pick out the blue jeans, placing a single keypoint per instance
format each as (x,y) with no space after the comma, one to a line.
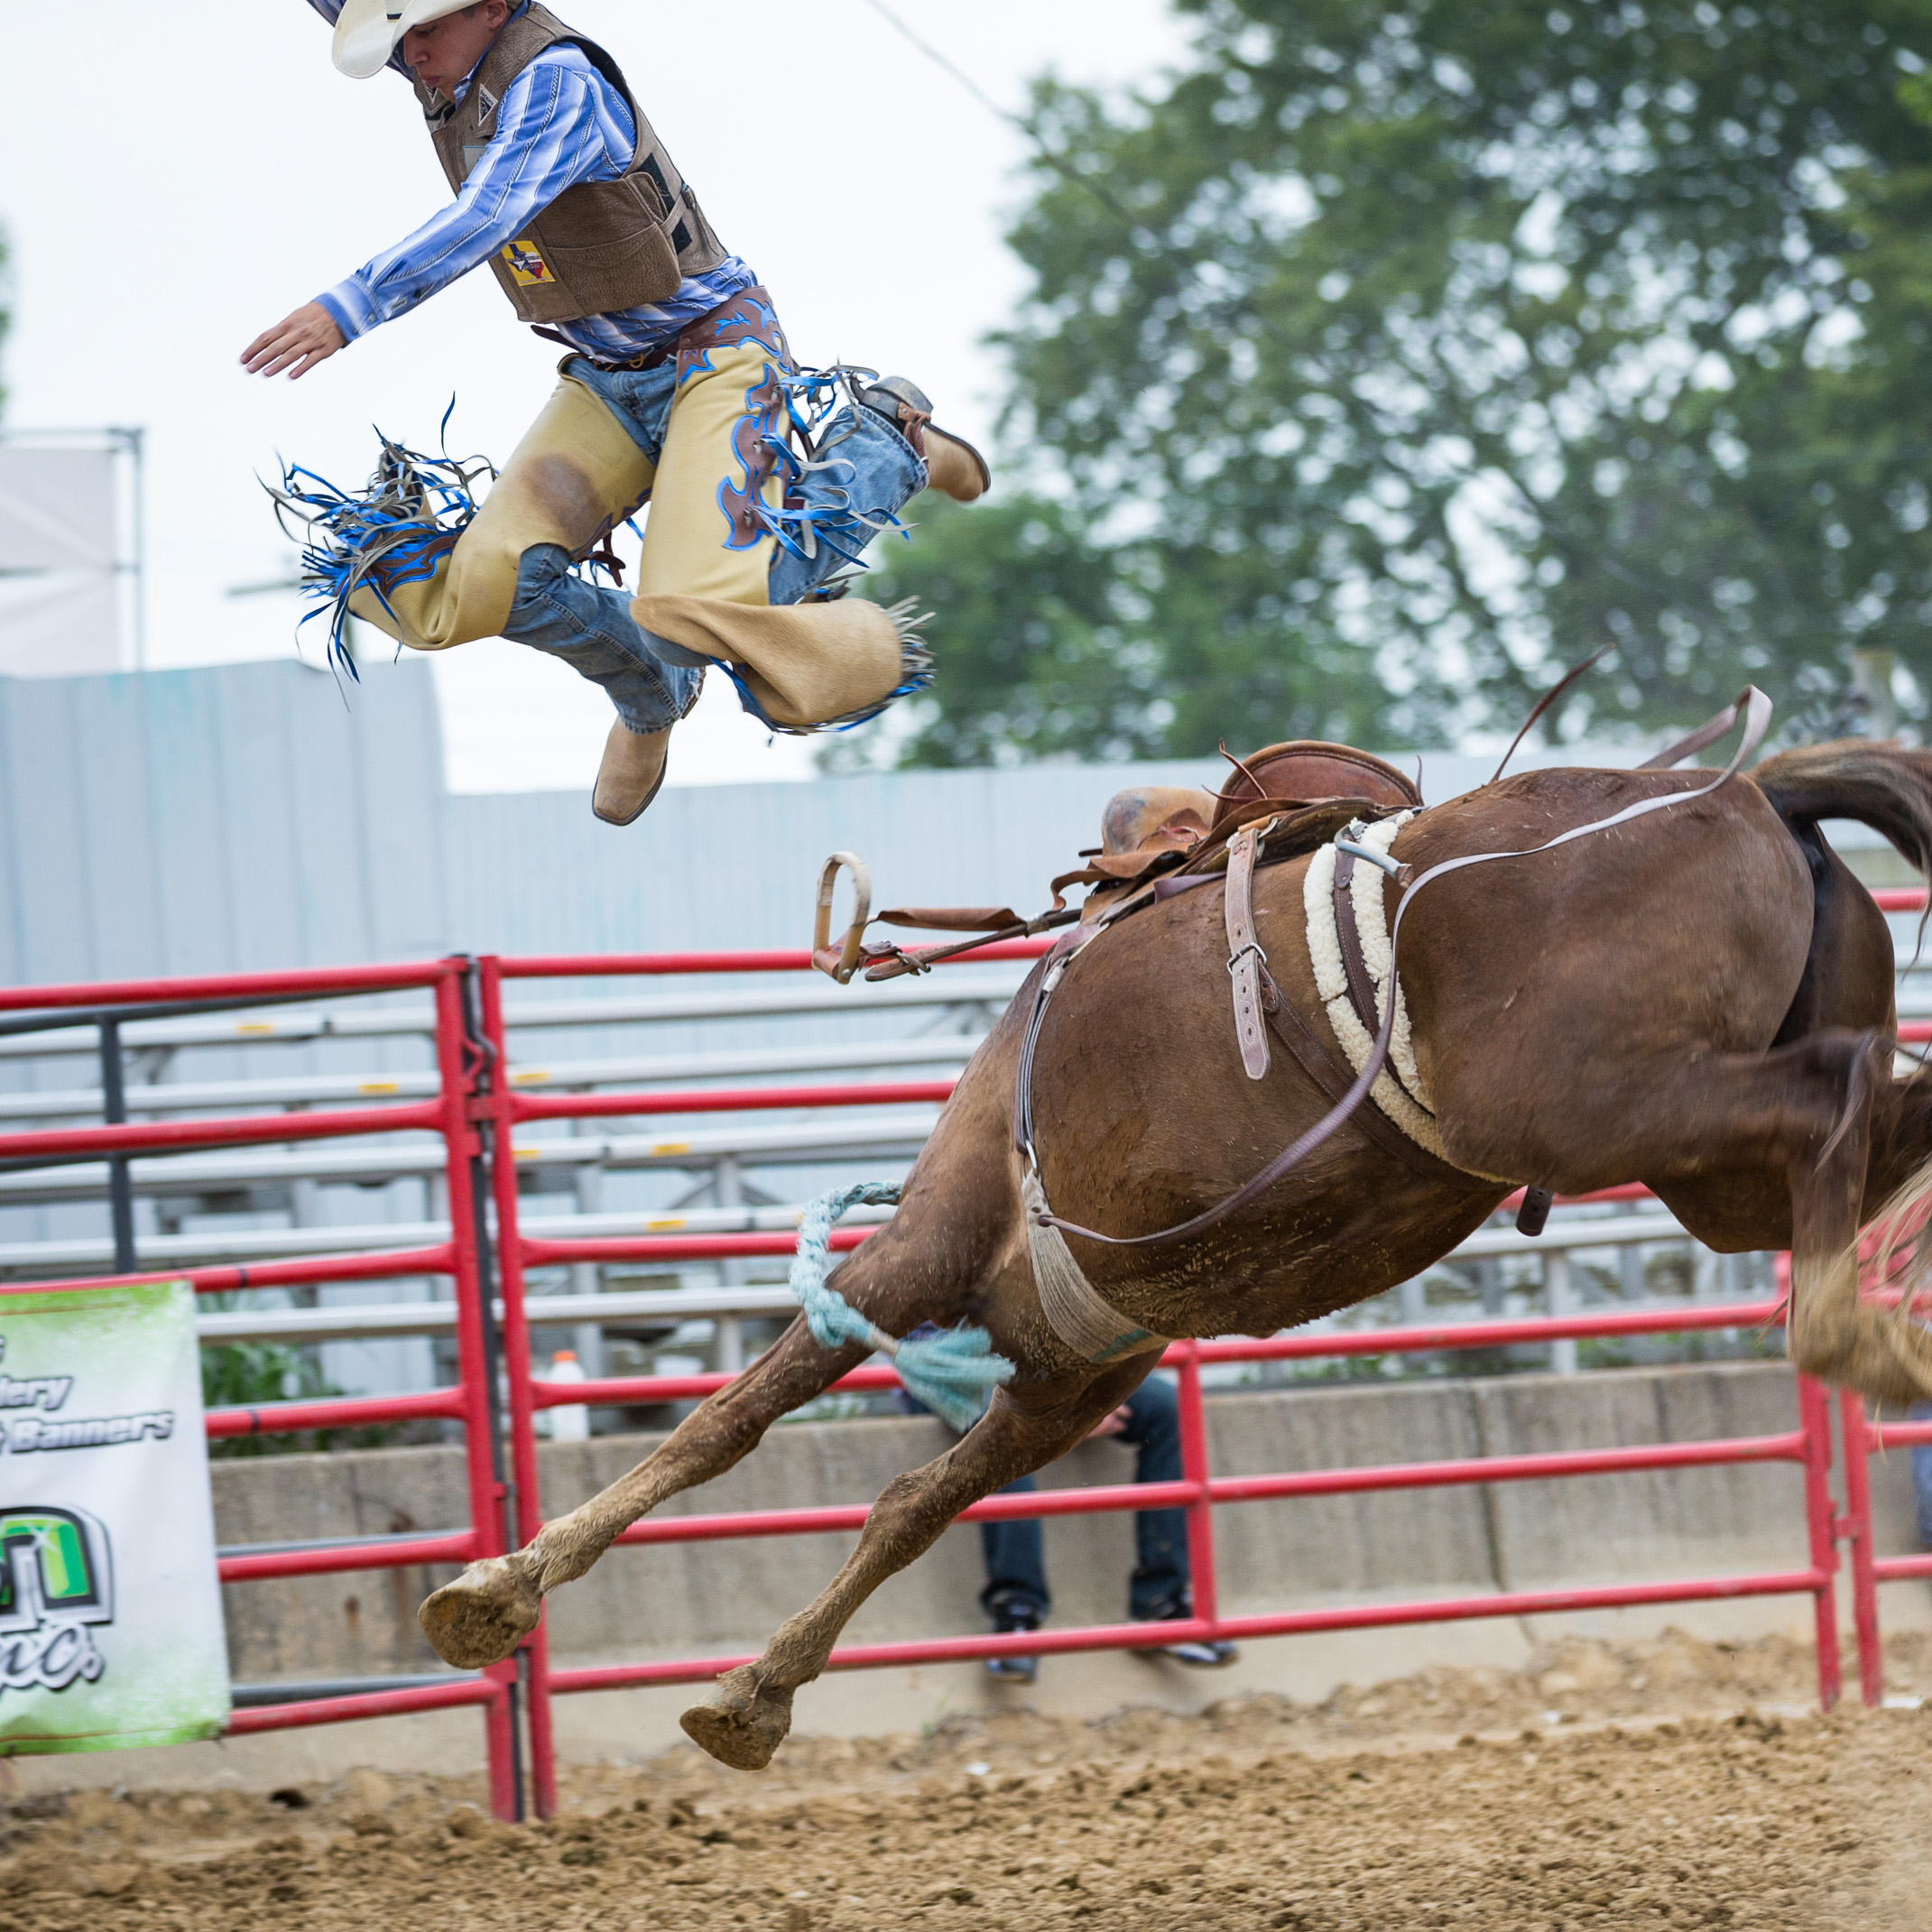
(652,683)
(1015,1554)
(1922,1475)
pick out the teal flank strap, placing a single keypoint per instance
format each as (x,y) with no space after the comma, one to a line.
(953,1372)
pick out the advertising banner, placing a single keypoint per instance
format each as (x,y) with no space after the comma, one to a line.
(110,1610)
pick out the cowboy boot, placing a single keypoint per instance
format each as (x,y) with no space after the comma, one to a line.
(631,773)
(953,467)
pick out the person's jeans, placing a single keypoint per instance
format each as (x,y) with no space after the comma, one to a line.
(1016,1565)
(1922,1475)
(589,626)
(652,684)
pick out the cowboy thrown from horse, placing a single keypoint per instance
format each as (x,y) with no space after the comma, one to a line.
(763,478)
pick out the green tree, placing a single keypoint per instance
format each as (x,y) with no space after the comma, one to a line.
(1038,643)
(1394,354)
(242,1375)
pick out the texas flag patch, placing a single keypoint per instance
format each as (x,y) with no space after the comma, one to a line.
(528,269)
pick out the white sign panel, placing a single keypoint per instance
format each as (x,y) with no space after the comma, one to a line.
(60,592)
(110,1610)
(56,509)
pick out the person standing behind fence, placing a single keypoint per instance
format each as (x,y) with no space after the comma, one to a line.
(1159,1590)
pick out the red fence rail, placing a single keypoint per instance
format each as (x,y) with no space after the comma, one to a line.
(475,1112)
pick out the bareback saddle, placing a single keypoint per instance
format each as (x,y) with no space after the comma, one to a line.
(1140,827)
(1310,789)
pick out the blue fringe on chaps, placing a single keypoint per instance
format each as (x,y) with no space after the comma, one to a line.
(764,480)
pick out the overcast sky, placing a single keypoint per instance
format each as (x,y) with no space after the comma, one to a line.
(222,172)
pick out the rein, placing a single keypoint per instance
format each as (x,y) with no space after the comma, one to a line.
(1751,703)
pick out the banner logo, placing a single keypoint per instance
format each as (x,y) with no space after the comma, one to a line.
(56,1581)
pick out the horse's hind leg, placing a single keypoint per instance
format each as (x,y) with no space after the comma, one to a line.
(1830,1332)
(493,1604)
(1813,1102)
(748,1716)
(1727,1141)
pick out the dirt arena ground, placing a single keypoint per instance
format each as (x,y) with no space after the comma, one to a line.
(1666,1783)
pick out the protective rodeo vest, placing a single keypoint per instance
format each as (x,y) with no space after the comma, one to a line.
(600,245)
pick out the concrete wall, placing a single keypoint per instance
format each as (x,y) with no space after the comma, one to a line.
(694,1599)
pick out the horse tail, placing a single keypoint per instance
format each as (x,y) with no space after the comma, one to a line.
(1888,786)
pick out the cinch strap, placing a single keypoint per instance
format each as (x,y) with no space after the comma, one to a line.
(1076,1312)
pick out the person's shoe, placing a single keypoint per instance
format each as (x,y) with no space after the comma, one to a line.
(631,773)
(953,467)
(1216,1655)
(1198,1655)
(1013,1669)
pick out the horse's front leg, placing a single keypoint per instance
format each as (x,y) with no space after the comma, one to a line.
(748,1717)
(495,1603)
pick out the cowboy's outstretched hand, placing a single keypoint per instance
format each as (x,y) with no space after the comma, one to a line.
(296,343)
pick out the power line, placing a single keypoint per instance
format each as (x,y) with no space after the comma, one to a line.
(1057,163)
(938,60)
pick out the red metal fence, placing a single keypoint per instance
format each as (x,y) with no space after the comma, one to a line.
(477,1111)
(461,1259)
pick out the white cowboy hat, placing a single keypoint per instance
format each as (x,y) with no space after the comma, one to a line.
(367,31)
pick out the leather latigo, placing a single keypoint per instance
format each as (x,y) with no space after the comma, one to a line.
(1247,965)
(1361,986)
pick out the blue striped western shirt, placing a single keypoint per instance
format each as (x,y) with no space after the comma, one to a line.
(559,123)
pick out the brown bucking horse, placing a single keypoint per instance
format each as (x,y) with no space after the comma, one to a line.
(1700,999)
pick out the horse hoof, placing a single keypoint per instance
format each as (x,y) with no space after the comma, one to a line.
(742,1722)
(481,1617)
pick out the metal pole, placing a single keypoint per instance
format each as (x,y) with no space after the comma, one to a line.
(588,1278)
(1856,1528)
(485,1066)
(1193,1469)
(728,1191)
(492,1500)
(485,983)
(1557,1291)
(120,1186)
(1815,1413)
(1629,1268)
(137,445)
